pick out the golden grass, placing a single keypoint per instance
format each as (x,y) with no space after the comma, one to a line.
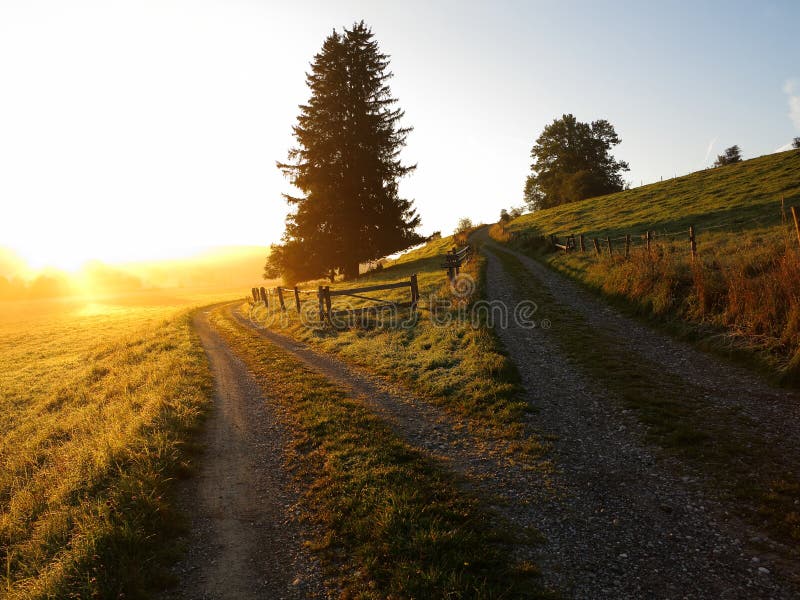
(97,406)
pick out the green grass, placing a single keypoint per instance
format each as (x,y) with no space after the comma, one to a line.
(390,522)
(738,297)
(762,481)
(733,195)
(458,365)
(99,405)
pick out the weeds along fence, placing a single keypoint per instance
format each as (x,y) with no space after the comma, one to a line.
(324,297)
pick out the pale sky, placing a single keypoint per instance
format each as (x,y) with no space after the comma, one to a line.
(136,130)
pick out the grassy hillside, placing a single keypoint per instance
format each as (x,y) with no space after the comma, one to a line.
(97,403)
(742,197)
(744,282)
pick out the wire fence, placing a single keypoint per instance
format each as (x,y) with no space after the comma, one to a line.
(606,244)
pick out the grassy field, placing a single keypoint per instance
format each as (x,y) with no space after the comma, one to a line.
(448,356)
(739,296)
(98,402)
(390,522)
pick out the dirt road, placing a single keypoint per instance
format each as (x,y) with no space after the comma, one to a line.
(243,542)
(632,522)
(620,520)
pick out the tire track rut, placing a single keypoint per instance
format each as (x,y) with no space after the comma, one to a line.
(243,542)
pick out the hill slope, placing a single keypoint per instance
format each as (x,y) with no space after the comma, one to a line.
(734,196)
(740,292)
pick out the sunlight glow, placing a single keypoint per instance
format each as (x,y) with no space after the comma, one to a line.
(142,130)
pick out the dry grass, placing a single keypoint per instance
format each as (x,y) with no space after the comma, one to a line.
(744,303)
(98,403)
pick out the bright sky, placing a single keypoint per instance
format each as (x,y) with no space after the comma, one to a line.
(139,130)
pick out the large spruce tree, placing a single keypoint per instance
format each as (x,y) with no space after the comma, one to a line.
(346,164)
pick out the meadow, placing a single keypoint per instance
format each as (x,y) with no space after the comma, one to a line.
(738,296)
(98,403)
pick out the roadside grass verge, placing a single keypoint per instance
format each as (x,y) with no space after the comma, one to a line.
(97,412)
(738,298)
(447,355)
(389,522)
(753,471)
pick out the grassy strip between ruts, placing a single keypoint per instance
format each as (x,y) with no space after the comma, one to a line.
(390,523)
(720,443)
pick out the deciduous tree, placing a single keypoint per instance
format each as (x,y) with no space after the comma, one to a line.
(572,161)
(730,156)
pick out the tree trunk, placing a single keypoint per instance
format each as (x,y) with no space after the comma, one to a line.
(351,271)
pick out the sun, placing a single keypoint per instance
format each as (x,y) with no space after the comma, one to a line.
(60,257)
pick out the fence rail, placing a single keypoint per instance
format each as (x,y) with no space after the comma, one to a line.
(325,294)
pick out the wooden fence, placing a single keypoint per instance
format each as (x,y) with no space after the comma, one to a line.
(324,296)
(621,245)
(454,259)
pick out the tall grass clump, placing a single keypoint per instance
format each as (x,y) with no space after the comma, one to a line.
(751,297)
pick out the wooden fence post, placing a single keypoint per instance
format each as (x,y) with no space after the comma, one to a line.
(627,245)
(254,293)
(692,242)
(264,296)
(297,298)
(328,301)
(414,292)
(580,241)
(596,246)
(608,243)
(321,296)
(647,239)
(280,298)
(796,222)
